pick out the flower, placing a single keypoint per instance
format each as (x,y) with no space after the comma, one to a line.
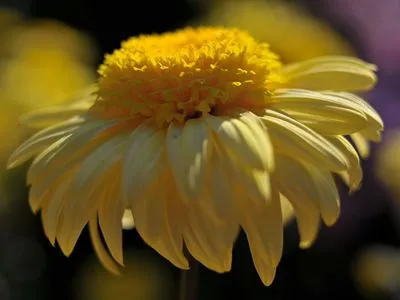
(267,20)
(200,132)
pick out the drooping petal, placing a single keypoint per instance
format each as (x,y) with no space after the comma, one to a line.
(331,73)
(361,144)
(296,185)
(41,140)
(325,113)
(354,173)
(158,216)
(144,160)
(209,242)
(110,214)
(189,149)
(263,226)
(245,139)
(99,248)
(292,138)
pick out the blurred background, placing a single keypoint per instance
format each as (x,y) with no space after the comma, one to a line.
(49,51)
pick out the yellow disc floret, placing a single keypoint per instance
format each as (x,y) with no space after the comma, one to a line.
(186,74)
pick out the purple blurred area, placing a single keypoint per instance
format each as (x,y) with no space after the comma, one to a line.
(30,268)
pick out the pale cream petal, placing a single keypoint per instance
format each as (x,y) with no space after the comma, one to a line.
(53,203)
(331,73)
(110,214)
(144,160)
(374,120)
(92,184)
(361,144)
(263,225)
(41,140)
(189,149)
(329,200)
(62,155)
(158,219)
(244,139)
(297,186)
(82,202)
(208,242)
(218,197)
(315,108)
(98,246)
(292,138)
(354,173)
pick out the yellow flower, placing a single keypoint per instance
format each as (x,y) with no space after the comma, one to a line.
(200,132)
(285,26)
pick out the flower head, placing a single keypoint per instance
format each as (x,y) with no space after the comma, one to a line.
(200,132)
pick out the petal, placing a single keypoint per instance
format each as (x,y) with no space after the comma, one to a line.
(245,139)
(144,160)
(354,173)
(158,218)
(325,113)
(263,226)
(110,214)
(101,252)
(83,201)
(297,186)
(53,203)
(219,194)
(208,242)
(41,140)
(293,138)
(331,73)
(189,149)
(64,153)
(361,144)
(374,120)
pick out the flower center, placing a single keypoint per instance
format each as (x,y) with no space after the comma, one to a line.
(176,76)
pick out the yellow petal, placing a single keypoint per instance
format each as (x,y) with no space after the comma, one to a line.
(40,141)
(144,160)
(354,172)
(110,214)
(331,73)
(263,226)
(54,202)
(361,144)
(208,242)
(218,197)
(321,109)
(374,120)
(294,139)
(158,219)
(98,246)
(297,186)
(245,139)
(189,149)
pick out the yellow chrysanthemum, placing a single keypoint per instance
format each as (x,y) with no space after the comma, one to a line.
(200,132)
(267,20)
